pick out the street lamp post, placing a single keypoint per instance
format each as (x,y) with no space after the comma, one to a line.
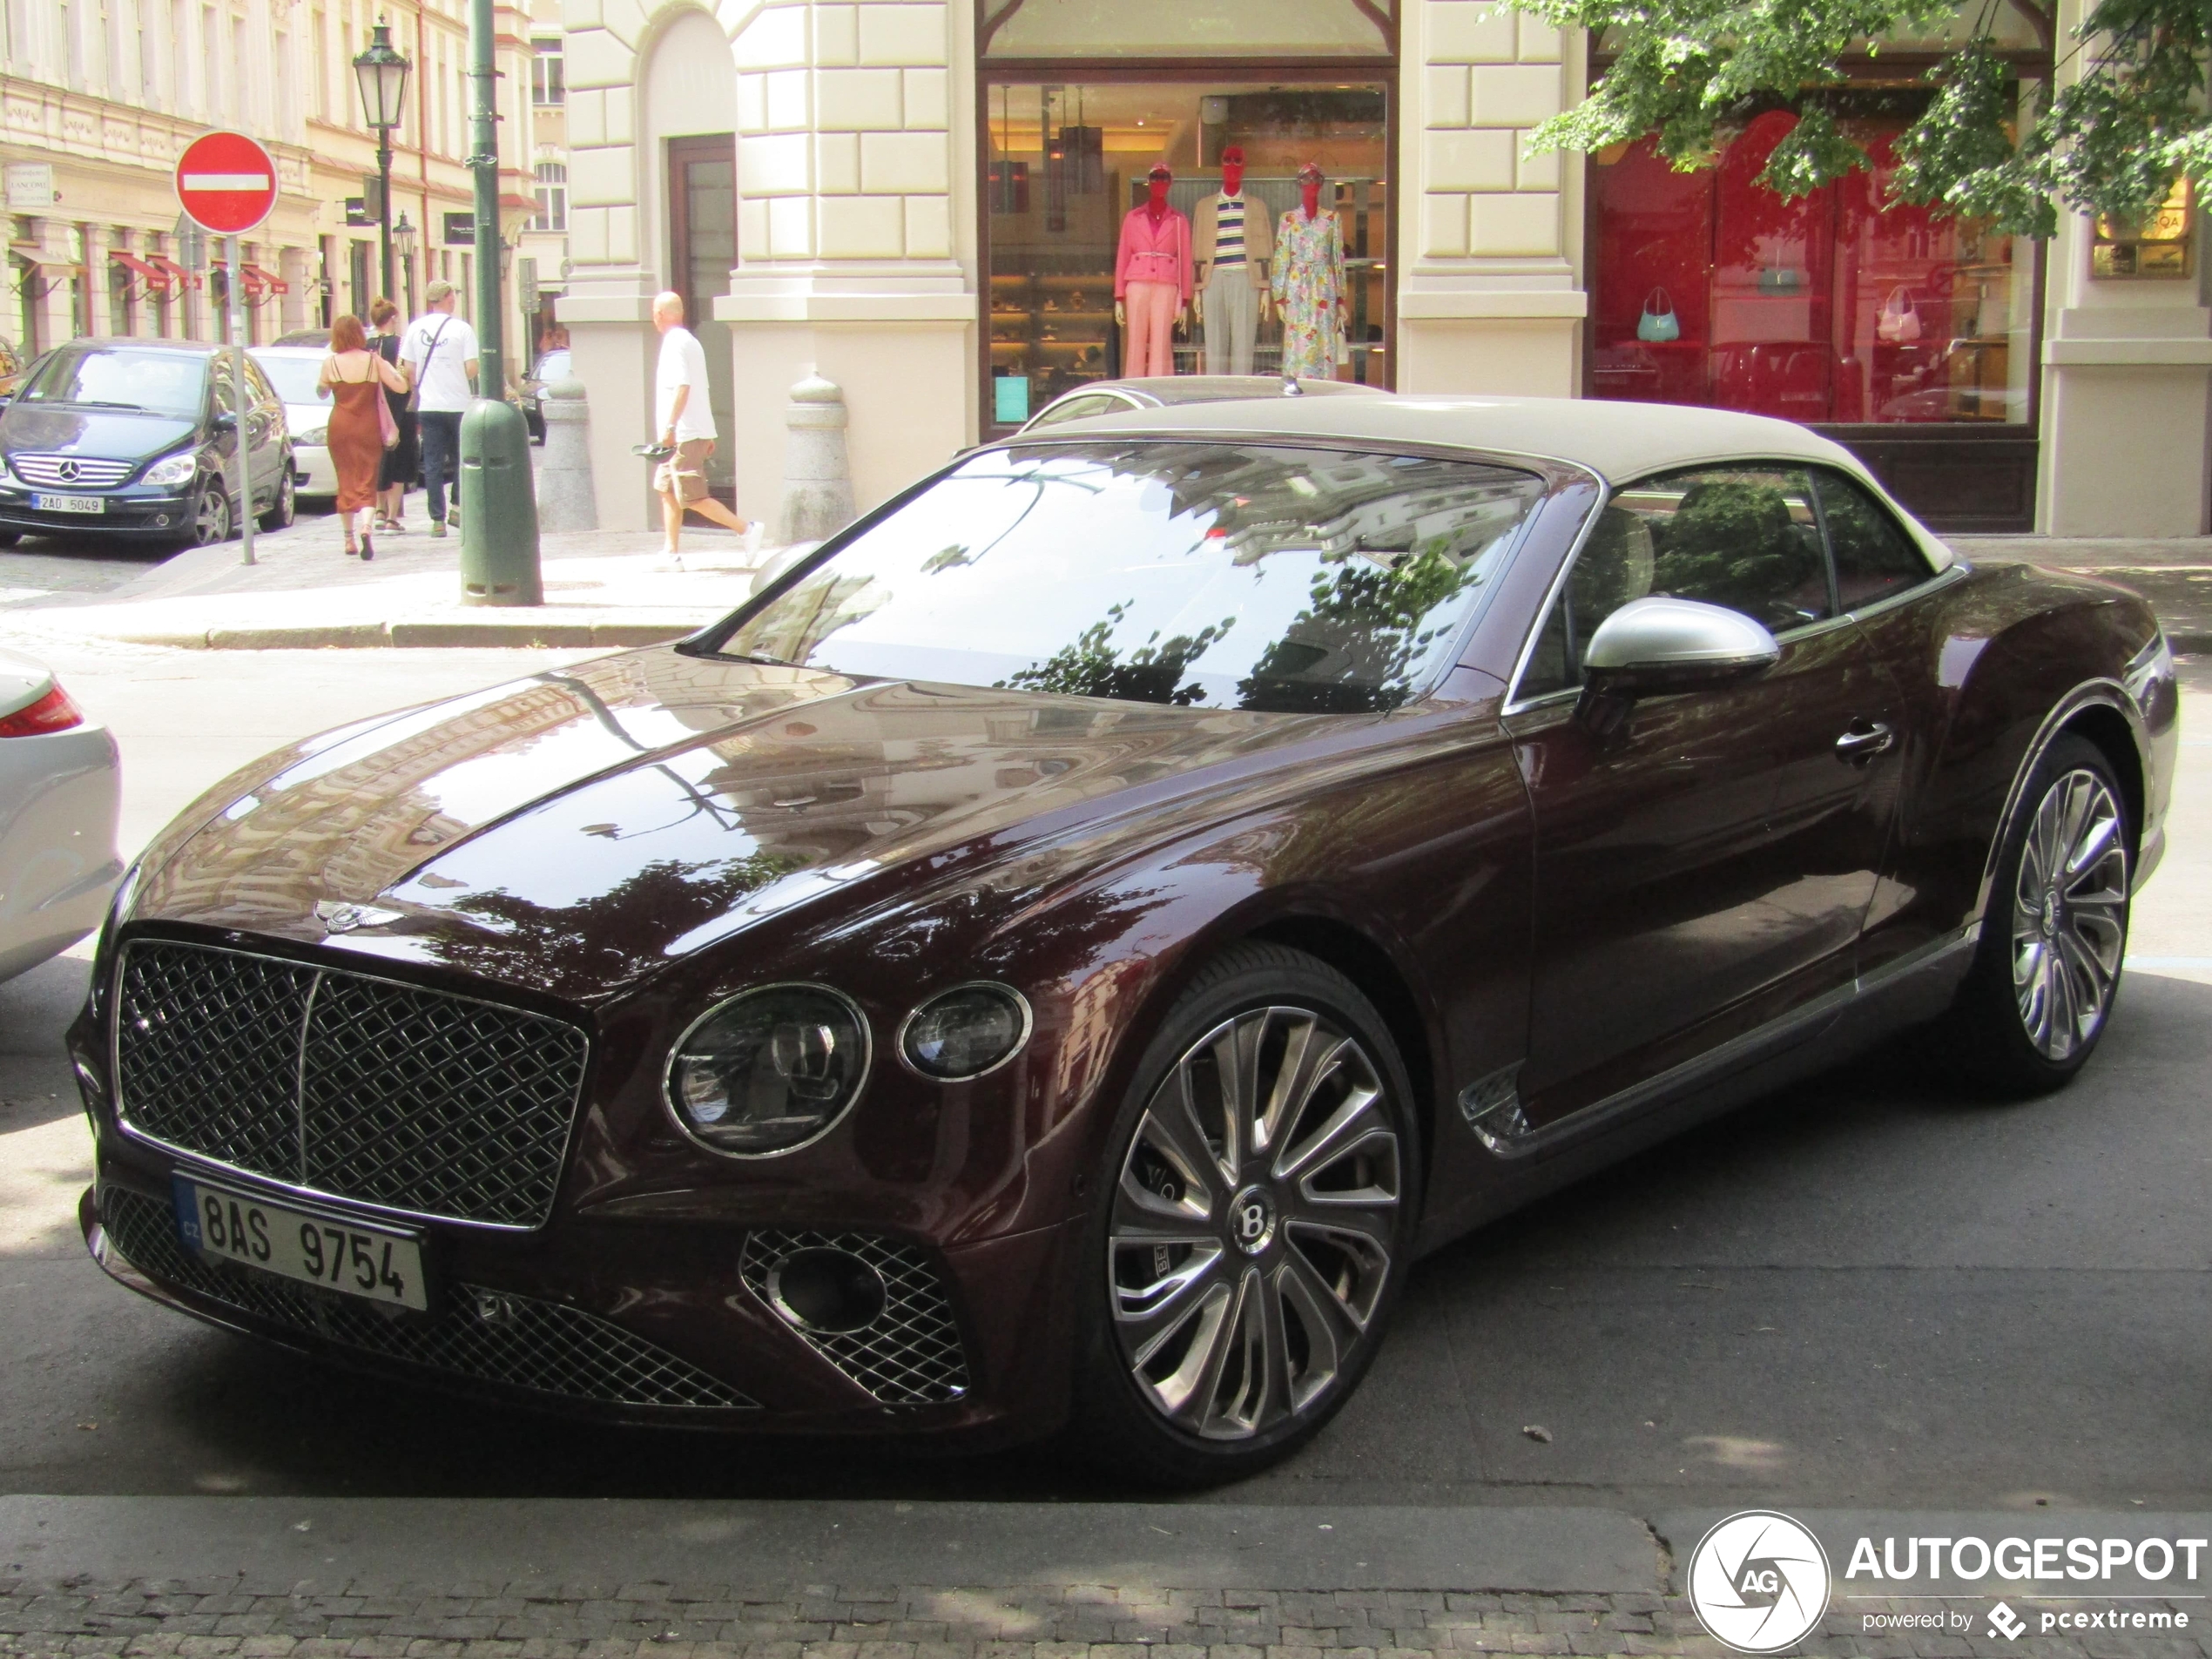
(403,242)
(499,553)
(381,75)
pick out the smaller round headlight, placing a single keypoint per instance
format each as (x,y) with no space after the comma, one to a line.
(966,1031)
(769,1070)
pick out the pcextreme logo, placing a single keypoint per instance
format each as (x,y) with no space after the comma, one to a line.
(1758,1582)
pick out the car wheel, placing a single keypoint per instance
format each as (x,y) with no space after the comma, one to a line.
(287,506)
(1256,1217)
(211,515)
(2047,969)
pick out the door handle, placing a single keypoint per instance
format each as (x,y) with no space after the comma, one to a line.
(1856,746)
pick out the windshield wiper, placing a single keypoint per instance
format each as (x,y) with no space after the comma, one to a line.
(100,403)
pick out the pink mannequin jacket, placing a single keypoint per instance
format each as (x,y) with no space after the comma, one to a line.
(1153,252)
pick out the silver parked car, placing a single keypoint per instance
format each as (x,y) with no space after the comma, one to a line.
(58,790)
(291,370)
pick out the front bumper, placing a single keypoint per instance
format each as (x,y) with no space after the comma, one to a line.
(663,1325)
(134,511)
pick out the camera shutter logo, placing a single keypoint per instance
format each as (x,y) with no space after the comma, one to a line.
(1759,1581)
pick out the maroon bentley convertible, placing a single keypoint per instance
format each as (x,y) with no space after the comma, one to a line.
(1064,949)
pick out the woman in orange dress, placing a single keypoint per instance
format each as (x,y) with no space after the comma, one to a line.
(356,379)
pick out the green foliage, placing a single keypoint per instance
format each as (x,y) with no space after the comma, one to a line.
(1366,616)
(2113,141)
(1151,673)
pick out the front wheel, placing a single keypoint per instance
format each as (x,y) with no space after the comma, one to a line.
(2047,969)
(1256,1218)
(210,514)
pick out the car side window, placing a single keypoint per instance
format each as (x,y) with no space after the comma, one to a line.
(1745,537)
(1874,556)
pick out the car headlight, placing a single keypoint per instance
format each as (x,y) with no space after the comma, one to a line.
(173,469)
(965,1032)
(769,1070)
(316,437)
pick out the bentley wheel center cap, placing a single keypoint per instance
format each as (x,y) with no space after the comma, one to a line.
(1251,1220)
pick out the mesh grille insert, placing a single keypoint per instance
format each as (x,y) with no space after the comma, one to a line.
(356,1086)
(491,1336)
(911,1353)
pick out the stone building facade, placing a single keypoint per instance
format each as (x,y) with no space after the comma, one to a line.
(916,198)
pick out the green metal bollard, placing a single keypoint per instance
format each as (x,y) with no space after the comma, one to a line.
(498,508)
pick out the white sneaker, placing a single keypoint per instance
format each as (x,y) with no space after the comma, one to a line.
(755,533)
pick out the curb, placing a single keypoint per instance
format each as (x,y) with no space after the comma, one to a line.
(418,636)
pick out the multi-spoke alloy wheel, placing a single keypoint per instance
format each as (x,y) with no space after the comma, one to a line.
(2040,989)
(1254,1223)
(2069,913)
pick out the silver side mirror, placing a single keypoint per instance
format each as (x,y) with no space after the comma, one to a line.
(1650,647)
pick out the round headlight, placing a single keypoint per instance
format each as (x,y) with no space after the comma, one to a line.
(966,1031)
(769,1070)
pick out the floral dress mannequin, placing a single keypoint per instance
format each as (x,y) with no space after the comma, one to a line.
(1309,284)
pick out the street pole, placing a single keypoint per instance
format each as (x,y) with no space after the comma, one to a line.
(499,553)
(242,402)
(384,202)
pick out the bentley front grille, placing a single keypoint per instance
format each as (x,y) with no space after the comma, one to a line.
(486,1335)
(341,1084)
(909,1352)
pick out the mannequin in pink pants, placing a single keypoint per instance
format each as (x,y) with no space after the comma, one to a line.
(1153,280)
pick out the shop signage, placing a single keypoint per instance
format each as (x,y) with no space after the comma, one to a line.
(2158,246)
(30,187)
(460,230)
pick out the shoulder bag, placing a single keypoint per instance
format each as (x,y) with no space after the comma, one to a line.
(415,391)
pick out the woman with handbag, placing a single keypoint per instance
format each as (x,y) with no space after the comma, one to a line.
(403,454)
(355,379)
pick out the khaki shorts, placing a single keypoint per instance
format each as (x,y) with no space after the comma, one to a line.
(684,474)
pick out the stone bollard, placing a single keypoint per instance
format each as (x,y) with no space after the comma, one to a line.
(565,500)
(818,474)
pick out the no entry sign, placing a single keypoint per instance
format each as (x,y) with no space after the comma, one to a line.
(225,182)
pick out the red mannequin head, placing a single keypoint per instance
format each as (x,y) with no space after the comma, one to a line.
(1156,206)
(1309,184)
(1232,169)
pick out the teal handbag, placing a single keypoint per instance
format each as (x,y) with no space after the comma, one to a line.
(1658,324)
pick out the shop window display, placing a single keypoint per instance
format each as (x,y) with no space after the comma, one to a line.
(1067,167)
(1841,307)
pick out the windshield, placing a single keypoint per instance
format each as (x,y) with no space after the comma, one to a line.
(293,377)
(161,382)
(1199,574)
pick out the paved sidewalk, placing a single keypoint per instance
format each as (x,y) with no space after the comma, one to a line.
(602,587)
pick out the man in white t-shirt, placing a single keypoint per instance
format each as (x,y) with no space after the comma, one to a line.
(684,417)
(439,349)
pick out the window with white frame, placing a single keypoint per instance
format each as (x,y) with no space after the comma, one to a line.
(548,78)
(552,196)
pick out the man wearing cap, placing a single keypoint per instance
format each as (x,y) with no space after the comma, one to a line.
(440,350)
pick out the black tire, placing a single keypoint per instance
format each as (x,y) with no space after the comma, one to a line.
(2035,957)
(210,514)
(285,508)
(1197,1320)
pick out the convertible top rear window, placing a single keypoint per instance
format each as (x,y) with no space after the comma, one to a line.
(1195,573)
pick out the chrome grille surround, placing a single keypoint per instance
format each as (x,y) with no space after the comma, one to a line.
(90,473)
(345,1086)
(484,1335)
(911,1353)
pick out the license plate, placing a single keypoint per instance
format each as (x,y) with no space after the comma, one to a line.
(70,503)
(342,1255)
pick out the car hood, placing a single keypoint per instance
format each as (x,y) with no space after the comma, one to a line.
(577,831)
(108,435)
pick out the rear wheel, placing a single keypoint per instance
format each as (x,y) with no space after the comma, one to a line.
(286,507)
(1256,1218)
(2047,969)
